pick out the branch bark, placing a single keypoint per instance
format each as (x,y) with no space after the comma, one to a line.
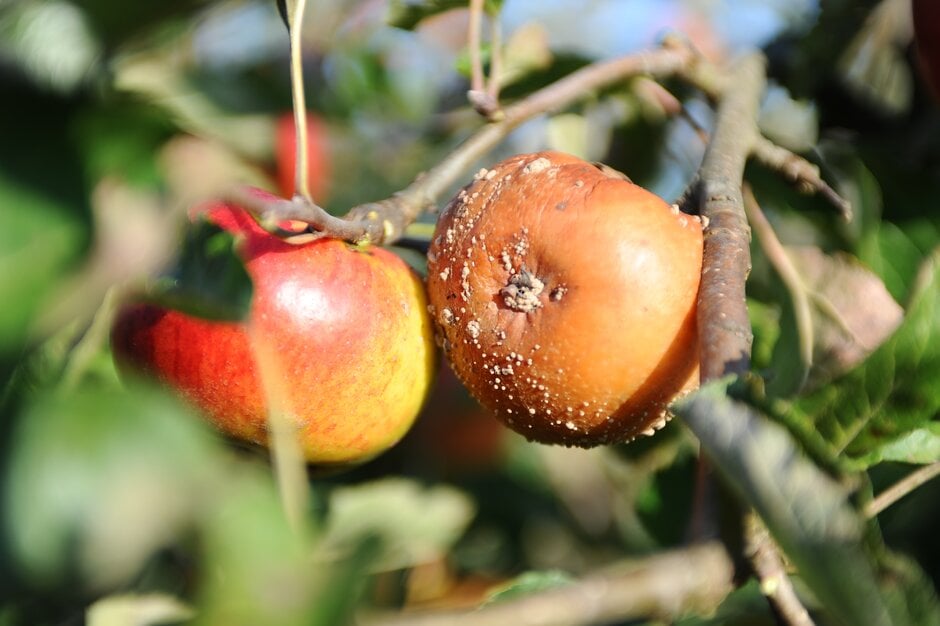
(665,586)
(724,327)
(770,571)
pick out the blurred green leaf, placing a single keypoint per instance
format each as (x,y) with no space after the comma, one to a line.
(50,41)
(100,479)
(528,583)
(121,137)
(115,25)
(873,66)
(409,13)
(855,182)
(911,596)
(341,588)
(137,610)
(45,220)
(258,569)
(209,280)
(891,393)
(415,524)
(805,509)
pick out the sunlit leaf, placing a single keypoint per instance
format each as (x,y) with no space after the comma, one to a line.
(528,583)
(921,445)
(415,524)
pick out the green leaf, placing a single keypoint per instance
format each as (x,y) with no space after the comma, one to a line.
(528,583)
(121,137)
(415,524)
(258,569)
(409,13)
(210,279)
(341,587)
(805,509)
(100,479)
(921,446)
(857,184)
(45,221)
(745,606)
(891,254)
(891,393)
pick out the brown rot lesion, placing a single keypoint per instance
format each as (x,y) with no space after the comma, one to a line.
(522,291)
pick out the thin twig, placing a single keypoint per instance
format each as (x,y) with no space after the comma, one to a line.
(385,221)
(301,183)
(484,90)
(775,584)
(664,586)
(475,43)
(802,173)
(712,81)
(788,273)
(496,62)
(901,488)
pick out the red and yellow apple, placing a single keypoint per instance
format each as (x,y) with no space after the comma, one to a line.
(565,299)
(338,340)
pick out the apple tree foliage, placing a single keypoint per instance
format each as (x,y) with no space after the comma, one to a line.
(119,506)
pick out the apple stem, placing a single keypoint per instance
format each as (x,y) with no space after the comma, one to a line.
(301,184)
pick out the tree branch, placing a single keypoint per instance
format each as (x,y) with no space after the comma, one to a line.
(901,488)
(664,586)
(724,327)
(768,567)
(799,171)
(384,221)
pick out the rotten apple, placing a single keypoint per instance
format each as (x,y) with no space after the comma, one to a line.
(565,298)
(338,340)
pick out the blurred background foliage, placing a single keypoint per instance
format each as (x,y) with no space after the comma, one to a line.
(118,506)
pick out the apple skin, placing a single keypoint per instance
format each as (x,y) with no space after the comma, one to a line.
(926,14)
(592,346)
(318,156)
(341,332)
